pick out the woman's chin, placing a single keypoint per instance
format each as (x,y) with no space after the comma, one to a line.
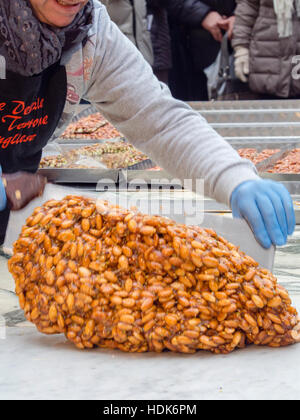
(58,21)
(61,23)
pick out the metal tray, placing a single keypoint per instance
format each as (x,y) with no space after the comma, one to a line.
(265,142)
(264,165)
(269,163)
(142,166)
(258,130)
(297,208)
(144,179)
(61,148)
(281,104)
(290,181)
(251,116)
(77,176)
(85,111)
(87,142)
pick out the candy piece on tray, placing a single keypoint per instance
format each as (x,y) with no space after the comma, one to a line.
(256,156)
(22,187)
(290,164)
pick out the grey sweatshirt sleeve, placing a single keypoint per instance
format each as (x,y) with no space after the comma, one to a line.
(177,138)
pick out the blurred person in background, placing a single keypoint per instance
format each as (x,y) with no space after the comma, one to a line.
(266,39)
(185,12)
(161,39)
(197,28)
(131,18)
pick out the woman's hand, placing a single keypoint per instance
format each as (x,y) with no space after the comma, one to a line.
(268,208)
(21,188)
(227,25)
(212,23)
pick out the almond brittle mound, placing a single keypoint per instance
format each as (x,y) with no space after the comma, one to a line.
(109,277)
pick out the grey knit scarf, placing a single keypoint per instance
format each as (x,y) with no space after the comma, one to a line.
(285,10)
(30,46)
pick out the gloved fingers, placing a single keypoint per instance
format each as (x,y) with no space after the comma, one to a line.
(2,196)
(246,66)
(256,222)
(288,206)
(268,214)
(236,213)
(239,70)
(243,77)
(279,211)
(3,200)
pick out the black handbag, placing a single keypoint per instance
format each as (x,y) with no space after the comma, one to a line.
(225,86)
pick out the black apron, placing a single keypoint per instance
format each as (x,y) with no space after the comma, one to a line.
(30,109)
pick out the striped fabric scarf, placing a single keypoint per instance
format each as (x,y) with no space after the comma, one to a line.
(285,10)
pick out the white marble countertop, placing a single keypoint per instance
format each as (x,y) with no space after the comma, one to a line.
(34,366)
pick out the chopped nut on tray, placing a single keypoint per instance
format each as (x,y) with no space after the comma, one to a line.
(289,164)
(57,161)
(94,126)
(255,156)
(123,160)
(115,155)
(109,277)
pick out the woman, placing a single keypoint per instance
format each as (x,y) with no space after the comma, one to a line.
(59,51)
(266,38)
(196,32)
(161,39)
(189,15)
(131,18)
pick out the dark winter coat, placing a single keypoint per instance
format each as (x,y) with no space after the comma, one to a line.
(193,12)
(160,35)
(193,47)
(188,13)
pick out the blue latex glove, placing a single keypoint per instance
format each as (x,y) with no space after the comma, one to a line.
(268,208)
(2,193)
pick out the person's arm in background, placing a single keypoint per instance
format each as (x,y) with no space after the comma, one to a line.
(187,12)
(195,14)
(177,138)
(246,14)
(226,9)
